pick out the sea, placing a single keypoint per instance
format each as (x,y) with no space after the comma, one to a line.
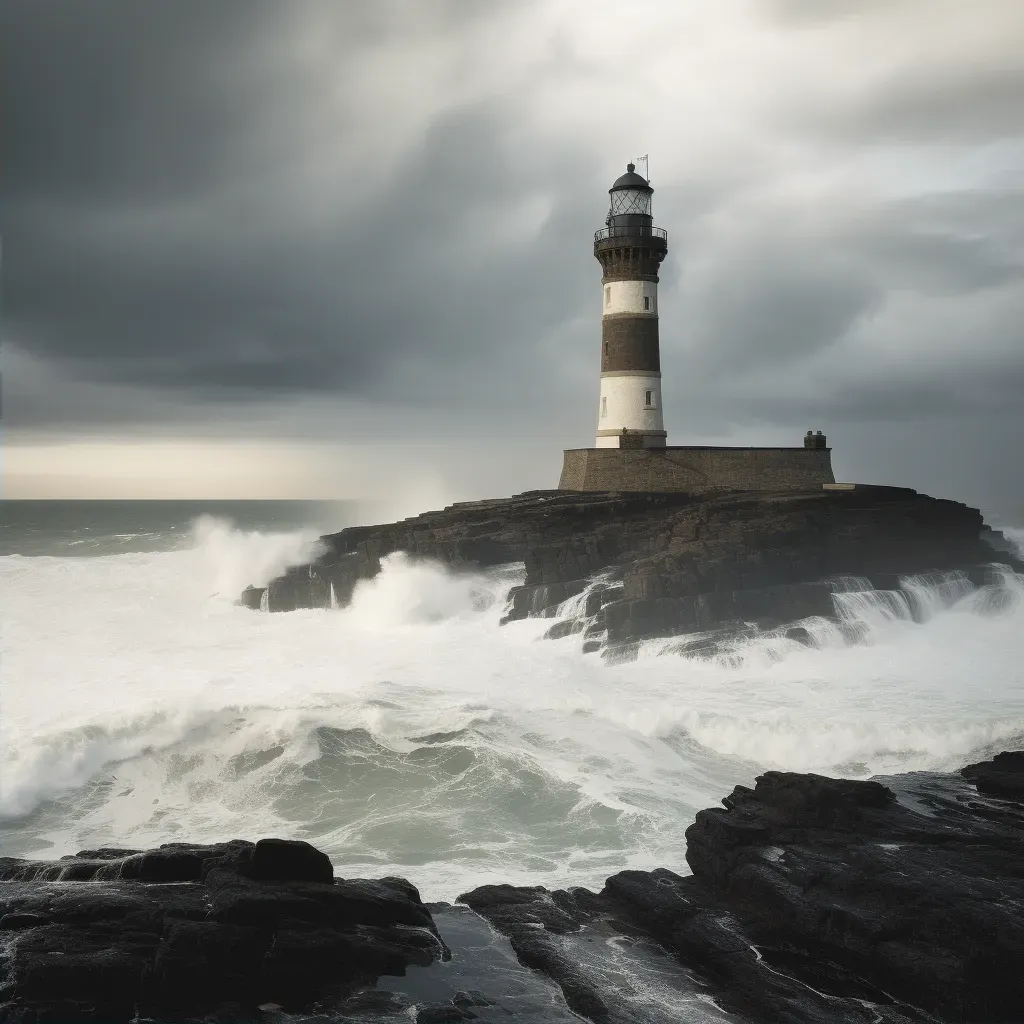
(410,733)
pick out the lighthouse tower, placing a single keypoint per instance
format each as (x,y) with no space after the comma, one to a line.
(630,249)
(631,452)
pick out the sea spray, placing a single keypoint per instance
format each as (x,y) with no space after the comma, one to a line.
(575,607)
(233,559)
(412,592)
(930,594)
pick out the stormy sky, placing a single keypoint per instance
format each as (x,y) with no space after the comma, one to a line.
(262,248)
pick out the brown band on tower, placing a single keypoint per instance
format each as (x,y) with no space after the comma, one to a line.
(630,343)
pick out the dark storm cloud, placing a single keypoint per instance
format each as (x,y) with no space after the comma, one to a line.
(196,221)
(112,102)
(892,311)
(236,303)
(120,101)
(148,230)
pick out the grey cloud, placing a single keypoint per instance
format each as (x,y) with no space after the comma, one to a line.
(839,322)
(168,258)
(255,306)
(149,116)
(110,102)
(944,73)
(814,11)
(774,304)
(979,104)
(38,397)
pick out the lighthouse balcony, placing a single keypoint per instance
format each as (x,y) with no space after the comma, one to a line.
(630,231)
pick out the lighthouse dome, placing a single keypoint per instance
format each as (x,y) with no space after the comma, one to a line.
(630,197)
(631,180)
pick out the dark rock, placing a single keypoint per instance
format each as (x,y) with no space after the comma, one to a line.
(563,629)
(999,542)
(671,563)
(468,999)
(670,616)
(599,597)
(443,1014)
(1002,776)
(812,899)
(538,600)
(13,922)
(109,853)
(252,597)
(282,860)
(212,931)
(649,617)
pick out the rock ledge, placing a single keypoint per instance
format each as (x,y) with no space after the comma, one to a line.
(668,564)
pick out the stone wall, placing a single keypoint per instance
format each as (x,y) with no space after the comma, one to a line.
(695,470)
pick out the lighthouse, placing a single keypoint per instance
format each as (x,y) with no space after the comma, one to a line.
(630,249)
(631,452)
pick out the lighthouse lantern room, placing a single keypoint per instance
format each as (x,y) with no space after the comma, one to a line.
(630,249)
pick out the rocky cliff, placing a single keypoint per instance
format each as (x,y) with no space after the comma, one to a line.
(668,564)
(811,900)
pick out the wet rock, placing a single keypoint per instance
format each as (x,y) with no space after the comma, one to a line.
(526,602)
(675,563)
(812,899)
(567,627)
(252,597)
(443,1014)
(281,860)
(215,930)
(1002,776)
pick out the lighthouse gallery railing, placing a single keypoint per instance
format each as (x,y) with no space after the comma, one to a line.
(631,230)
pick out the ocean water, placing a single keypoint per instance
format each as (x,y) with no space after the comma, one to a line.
(410,734)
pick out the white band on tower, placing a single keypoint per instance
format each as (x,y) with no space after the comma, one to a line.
(637,297)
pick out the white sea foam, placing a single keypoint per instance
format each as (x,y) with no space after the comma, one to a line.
(410,592)
(1015,536)
(233,558)
(409,733)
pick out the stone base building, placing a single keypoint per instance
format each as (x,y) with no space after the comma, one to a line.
(696,469)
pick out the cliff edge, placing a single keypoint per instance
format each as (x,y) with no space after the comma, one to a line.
(667,564)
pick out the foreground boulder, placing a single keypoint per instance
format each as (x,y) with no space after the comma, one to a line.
(115,935)
(812,899)
(1002,776)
